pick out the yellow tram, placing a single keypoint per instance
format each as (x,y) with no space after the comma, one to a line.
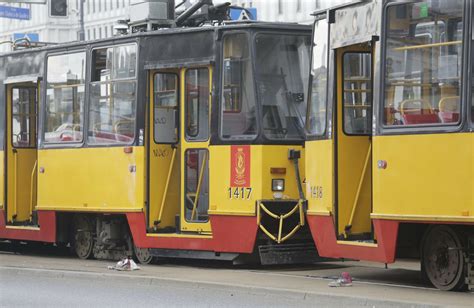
(390,148)
(175,142)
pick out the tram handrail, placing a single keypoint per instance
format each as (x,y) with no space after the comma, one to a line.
(31,187)
(198,189)
(359,187)
(15,199)
(165,192)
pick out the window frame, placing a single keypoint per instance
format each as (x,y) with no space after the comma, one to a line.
(323,134)
(33,142)
(196,138)
(42,114)
(470,66)
(249,138)
(371,83)
(423,128)
(258,102)
(90,83)
(178,105)
(186,172)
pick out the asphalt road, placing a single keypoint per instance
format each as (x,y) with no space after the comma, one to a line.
(52,278)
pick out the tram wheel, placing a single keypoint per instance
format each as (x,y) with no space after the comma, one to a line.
(442,258)
(142,255)
(83,236)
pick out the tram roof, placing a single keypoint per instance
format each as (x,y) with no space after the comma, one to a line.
(245,25)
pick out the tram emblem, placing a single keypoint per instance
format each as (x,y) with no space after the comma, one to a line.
(240,166)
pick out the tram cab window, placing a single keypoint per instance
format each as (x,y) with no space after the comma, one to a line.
(238,110)
(65,98)
(166,108)
(423,63)
(316,115)
(113,95)
(282,78)
(197,104)
(357,96)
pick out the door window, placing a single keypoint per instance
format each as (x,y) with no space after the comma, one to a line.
(165,108)
(197,104)
(357,93)
(23,117)
(197,185)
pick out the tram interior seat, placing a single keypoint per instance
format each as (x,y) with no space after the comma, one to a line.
(417,111)
(449,109)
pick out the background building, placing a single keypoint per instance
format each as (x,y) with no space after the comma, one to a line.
(101,15)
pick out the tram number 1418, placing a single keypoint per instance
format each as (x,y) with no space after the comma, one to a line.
(243,193)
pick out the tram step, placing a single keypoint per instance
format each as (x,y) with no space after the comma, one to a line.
(288,254)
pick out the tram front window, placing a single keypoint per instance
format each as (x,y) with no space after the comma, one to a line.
(238,115)
(282,70)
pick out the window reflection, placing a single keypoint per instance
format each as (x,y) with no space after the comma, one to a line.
(23,117)
(282,71)
(423,63)
(197,104)
(65,98)
(113,95)
(316,116)
(238,119)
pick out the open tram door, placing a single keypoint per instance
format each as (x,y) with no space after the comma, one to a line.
(353,142)
(21,150)
(178,192)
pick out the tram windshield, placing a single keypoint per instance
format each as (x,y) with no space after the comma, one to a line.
(282,70)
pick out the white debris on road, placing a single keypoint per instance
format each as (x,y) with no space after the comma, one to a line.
(126,264)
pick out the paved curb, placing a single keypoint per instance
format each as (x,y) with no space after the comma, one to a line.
(318,298)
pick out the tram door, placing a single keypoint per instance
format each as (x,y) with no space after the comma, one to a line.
(178,150)
(21,152)
(354,143)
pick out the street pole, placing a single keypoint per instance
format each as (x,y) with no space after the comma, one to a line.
(82,34)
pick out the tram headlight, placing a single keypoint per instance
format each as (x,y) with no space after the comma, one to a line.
(278,184)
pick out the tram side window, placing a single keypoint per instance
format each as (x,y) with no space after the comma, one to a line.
(238,110)
(357,96)
(197,104)
(65,98)
(316,115)
(423,63)
(113,95)
(472,67)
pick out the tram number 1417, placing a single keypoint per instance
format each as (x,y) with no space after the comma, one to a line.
(243,193)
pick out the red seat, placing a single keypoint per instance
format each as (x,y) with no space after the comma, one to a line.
(449,117)
(413,118)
